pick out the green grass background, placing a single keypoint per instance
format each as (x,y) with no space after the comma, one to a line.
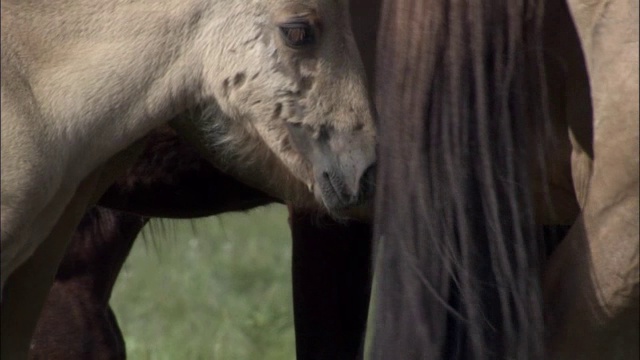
(214,288)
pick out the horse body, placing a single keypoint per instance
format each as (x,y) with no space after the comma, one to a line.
(83,81)
(238,148)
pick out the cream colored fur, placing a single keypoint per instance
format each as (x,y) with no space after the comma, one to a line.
(82,80)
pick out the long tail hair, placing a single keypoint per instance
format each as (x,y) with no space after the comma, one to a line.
(459,84)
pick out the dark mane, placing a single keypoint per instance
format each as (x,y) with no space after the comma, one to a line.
(458,90)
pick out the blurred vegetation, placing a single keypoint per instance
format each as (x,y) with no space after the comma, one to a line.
(214,288)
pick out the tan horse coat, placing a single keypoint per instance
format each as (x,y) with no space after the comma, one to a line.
(591,283)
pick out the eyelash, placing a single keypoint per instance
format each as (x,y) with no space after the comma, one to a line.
(298,34)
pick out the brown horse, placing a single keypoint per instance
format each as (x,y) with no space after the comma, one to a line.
(496,116)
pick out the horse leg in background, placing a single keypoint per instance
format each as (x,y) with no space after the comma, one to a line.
(331,274)
(79,298)
(331,285)
(591,283)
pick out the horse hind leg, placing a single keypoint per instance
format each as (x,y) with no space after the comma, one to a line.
(77,321)
(28,181)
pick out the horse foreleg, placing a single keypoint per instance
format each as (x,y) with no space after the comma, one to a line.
(27,288)
(331,286)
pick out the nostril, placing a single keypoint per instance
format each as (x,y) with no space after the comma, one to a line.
(339,193)
(367,181)
(334,181)
(326,176)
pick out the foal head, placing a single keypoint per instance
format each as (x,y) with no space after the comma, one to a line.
(290,92)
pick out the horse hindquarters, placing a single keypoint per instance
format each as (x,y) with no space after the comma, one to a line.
(591,284)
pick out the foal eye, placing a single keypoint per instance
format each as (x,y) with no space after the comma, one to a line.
(298,34)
